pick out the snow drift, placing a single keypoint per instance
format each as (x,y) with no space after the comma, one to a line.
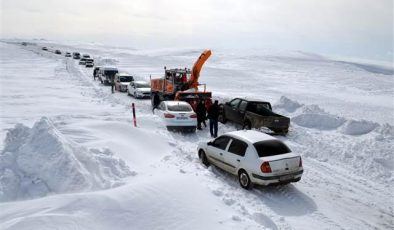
(38,161)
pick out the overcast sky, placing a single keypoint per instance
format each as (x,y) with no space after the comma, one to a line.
(354,28)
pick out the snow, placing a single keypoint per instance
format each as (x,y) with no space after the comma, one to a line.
(39,161)
(56,118)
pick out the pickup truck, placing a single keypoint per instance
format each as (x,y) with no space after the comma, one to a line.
(253,114)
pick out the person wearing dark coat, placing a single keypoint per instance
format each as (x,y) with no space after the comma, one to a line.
(112,82)
(213,116)
(201,114)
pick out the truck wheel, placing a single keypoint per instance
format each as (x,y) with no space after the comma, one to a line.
(222,118)
(247,125)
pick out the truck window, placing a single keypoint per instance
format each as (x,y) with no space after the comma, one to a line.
(235,102)
(242,105)
(271,148)
(260,108)
(238,147)
(221,142)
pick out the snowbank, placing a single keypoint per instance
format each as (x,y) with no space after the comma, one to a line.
(287,104)
(38,161)
(312,116)
(353,127)
(318,121)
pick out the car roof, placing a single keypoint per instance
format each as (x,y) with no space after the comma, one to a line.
(109,68)
(251,136)
(176,103)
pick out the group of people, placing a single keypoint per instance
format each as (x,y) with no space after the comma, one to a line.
(212,114)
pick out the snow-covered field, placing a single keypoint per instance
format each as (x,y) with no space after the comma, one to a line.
(70,157)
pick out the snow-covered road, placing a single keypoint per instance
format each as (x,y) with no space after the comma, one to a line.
(348,162)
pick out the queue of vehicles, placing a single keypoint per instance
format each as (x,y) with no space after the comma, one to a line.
(256,158)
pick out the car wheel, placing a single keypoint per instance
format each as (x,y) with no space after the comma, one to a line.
(244,179)
(203,157)
(247,125)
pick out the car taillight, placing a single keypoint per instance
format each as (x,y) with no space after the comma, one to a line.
(265,167)
(193,116)
(168,115)
(300,165)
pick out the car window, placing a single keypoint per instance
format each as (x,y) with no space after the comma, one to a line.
(235,102)
(221,142)
(238,147)
(271,148)
(126,78)
(242,105)
(180,108)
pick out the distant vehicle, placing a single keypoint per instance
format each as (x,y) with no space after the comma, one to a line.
(122,80)
(82,61)
(255,157)
(45,48)
(89,63)
(24,43)
(139,89)
(177,115)
(253,114)
(106,73)
(76,55)
(68,54)
(58,52)
(86,56)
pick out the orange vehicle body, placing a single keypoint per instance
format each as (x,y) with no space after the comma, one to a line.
(181,84)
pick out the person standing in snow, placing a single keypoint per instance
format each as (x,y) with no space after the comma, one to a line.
(112,83)
(201,114)
(213,116)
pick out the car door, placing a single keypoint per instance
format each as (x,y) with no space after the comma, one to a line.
(234,155)
(231,109)
(240,112)
(216,149)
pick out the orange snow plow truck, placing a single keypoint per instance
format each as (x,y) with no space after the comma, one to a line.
(181,85)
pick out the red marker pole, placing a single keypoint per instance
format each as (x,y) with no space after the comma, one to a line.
(134,118)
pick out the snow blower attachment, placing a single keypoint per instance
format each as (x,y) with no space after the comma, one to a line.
(181,84)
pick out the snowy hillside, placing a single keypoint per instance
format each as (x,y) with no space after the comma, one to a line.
(71,158)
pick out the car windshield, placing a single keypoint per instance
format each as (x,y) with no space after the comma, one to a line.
(126,78)
(271,148)
(179,108)
(142,85)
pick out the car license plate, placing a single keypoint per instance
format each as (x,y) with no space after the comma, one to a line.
(285,178)
(181,118)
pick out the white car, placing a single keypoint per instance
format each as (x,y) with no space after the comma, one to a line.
(139,89)
(255,157)
(122,80)
(177,115)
